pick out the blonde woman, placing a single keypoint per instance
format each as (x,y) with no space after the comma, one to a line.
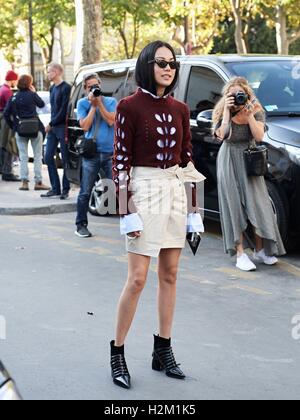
(244,201)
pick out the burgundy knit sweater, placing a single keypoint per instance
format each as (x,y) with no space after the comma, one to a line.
(150,132)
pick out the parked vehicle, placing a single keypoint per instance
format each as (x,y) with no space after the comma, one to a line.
(276,82)
(8,389)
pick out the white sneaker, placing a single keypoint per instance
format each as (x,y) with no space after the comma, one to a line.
(261,257)
(245,264)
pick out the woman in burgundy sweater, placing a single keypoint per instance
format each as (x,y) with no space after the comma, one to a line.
(152,164)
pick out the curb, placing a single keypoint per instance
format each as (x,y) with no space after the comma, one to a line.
(37,211)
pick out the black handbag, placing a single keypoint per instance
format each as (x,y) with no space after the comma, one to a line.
(256,160)
(28,127)
(87,148)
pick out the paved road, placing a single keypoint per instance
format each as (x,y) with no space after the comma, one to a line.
(233,331)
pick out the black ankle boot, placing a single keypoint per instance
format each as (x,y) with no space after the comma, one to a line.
(119,370)
(163,358)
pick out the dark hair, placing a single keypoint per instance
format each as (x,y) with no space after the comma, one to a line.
(144,73)
(91,77)
(25,82)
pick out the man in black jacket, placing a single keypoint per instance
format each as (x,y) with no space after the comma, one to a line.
(56,131)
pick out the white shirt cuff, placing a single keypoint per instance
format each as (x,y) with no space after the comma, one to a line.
(195,223)
(131,223)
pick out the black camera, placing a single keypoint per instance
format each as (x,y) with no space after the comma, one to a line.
(240,98)
(96,91)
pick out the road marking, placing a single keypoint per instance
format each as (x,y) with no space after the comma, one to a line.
(58,228)
(237,274)
(123,259)
(264,360)
(247,289)
(97,251)
(198,279)
(7,226)
(26,232)
(105,239)
(289,268)
(73,244)
(47,238)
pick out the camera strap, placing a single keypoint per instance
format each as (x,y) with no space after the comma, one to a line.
(98,120)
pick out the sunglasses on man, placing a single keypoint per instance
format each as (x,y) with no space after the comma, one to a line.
(163,64)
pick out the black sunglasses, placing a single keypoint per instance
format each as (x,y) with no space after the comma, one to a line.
(163,64)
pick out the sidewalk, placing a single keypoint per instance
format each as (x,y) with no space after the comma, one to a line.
(20,203)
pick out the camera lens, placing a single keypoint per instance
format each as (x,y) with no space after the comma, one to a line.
(240,98)
(96,91)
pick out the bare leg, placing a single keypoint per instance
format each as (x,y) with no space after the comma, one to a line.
(240,247)
(167,272)
(259,243)
(138,267)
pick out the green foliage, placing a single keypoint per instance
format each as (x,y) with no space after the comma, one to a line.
(9,38)
(46,16)
(129,18)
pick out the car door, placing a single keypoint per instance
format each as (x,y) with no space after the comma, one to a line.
(204,90)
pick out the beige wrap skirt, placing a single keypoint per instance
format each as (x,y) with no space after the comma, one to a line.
(162,203)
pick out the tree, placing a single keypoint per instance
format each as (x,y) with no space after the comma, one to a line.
(284,16)
(239,34)
(92,35)
(47,16)
(9,38)
(194,23)
(128,18)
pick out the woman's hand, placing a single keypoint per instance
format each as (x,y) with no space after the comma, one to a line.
(229,101)
(134,235)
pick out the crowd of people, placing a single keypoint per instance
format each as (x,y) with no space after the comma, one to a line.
(21,125)
(145,140)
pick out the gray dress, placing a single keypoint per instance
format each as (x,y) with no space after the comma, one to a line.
(244,200)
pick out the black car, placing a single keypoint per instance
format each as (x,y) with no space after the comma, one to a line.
(276,82)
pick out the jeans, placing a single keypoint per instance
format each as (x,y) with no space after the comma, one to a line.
(90,171)
(37,147)
(54,138)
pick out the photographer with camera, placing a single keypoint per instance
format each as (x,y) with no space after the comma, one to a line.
(244,200)
(96,115)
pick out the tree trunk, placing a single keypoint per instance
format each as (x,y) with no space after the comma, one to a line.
(281,31)
(239,33)
(92,38)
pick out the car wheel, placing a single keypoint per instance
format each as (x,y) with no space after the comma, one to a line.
(98,203)
(281,209)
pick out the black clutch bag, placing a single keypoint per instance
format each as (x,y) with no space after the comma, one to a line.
(194,240)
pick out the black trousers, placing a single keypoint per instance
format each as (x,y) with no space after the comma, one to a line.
(6,160)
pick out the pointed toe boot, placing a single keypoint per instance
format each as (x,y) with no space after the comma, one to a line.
(164,360)
(119,370)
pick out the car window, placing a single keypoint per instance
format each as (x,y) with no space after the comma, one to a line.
(276,83)
(204,90)
(116,82)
